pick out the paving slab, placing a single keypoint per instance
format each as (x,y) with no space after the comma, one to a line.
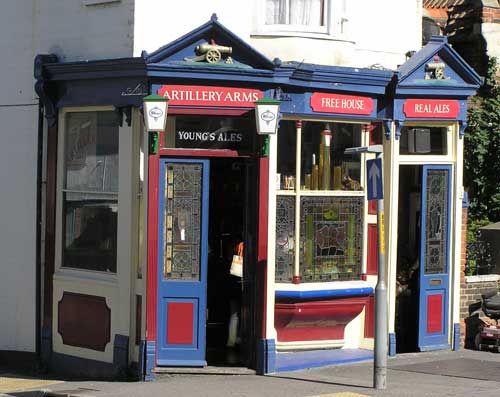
(460,368)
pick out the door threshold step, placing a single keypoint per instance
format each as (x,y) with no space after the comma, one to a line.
(209,370)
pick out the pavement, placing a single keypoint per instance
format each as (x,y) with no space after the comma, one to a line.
(442,373)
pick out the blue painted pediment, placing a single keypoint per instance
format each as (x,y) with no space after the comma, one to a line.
(437,70)
(209,46)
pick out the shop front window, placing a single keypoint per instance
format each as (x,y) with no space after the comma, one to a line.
(320,198)
(90,191)
(423,141)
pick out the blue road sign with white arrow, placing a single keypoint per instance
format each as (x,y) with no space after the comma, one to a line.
(374,174)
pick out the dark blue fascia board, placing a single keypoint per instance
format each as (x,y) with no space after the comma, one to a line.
(336,87)
(209,71)
(198,78)
(85,70)
(324,294)
(336,78)
(448,92)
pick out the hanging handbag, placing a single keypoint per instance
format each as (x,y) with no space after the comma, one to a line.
(237,263)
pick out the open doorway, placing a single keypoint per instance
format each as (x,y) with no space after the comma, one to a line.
(408,267)
(232,220)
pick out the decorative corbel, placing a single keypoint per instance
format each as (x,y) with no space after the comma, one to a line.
(462,126)
(388,129)
(399,125)
(45,89)
(280,95)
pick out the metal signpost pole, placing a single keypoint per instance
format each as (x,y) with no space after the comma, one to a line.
(375,191)
(380,363)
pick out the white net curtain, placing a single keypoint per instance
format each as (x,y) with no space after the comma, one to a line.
(295,12)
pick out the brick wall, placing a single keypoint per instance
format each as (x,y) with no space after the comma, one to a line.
(491,15)
(463,287)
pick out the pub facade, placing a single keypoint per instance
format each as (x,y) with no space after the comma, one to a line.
(142,228)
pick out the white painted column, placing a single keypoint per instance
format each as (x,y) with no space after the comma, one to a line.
(391,197)
(271,247)
(126,245)
(456,228)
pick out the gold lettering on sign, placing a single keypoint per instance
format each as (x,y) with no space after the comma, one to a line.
(430,108)
(343,103)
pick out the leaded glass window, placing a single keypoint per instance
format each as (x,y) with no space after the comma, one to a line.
(182,221)
(285,230)
(331,236)
(436,221)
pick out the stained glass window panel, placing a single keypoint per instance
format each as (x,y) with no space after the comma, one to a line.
(331,230)
(436,222)
(182,221)
(285,227)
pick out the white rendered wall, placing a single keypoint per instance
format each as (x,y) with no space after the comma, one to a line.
(378,32)
(18,143)
(74,30)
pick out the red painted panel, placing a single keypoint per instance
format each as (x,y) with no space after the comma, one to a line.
(180,326)
(152,282)
(343,104)
(372,258)
(262,242)
(375,134)
(200,153)
(435,313)
(431,108)
(320,320)
(370,317)
(193,95)
(84,321)
(372,207)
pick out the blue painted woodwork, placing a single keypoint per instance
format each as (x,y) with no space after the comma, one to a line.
(456,336)
(324,294)
(409,82)
(183,291)
(434,340)
(185,45)
(392,344)
(463,80)
(266,356)
(120,354)
(465,200)
(150,360)
(293,361)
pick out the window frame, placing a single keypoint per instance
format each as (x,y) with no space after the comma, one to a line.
(61,190)
(449,157)
(335,19)
(298,193)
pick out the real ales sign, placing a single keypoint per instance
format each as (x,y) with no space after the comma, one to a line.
(431,108)
(213,132)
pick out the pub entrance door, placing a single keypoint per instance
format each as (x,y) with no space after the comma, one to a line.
(182,261)
(206,207)
(423,269)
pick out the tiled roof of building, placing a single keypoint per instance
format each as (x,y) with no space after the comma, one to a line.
(441,3)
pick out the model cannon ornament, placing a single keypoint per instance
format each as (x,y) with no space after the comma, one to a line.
(211,53)
(435,70)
